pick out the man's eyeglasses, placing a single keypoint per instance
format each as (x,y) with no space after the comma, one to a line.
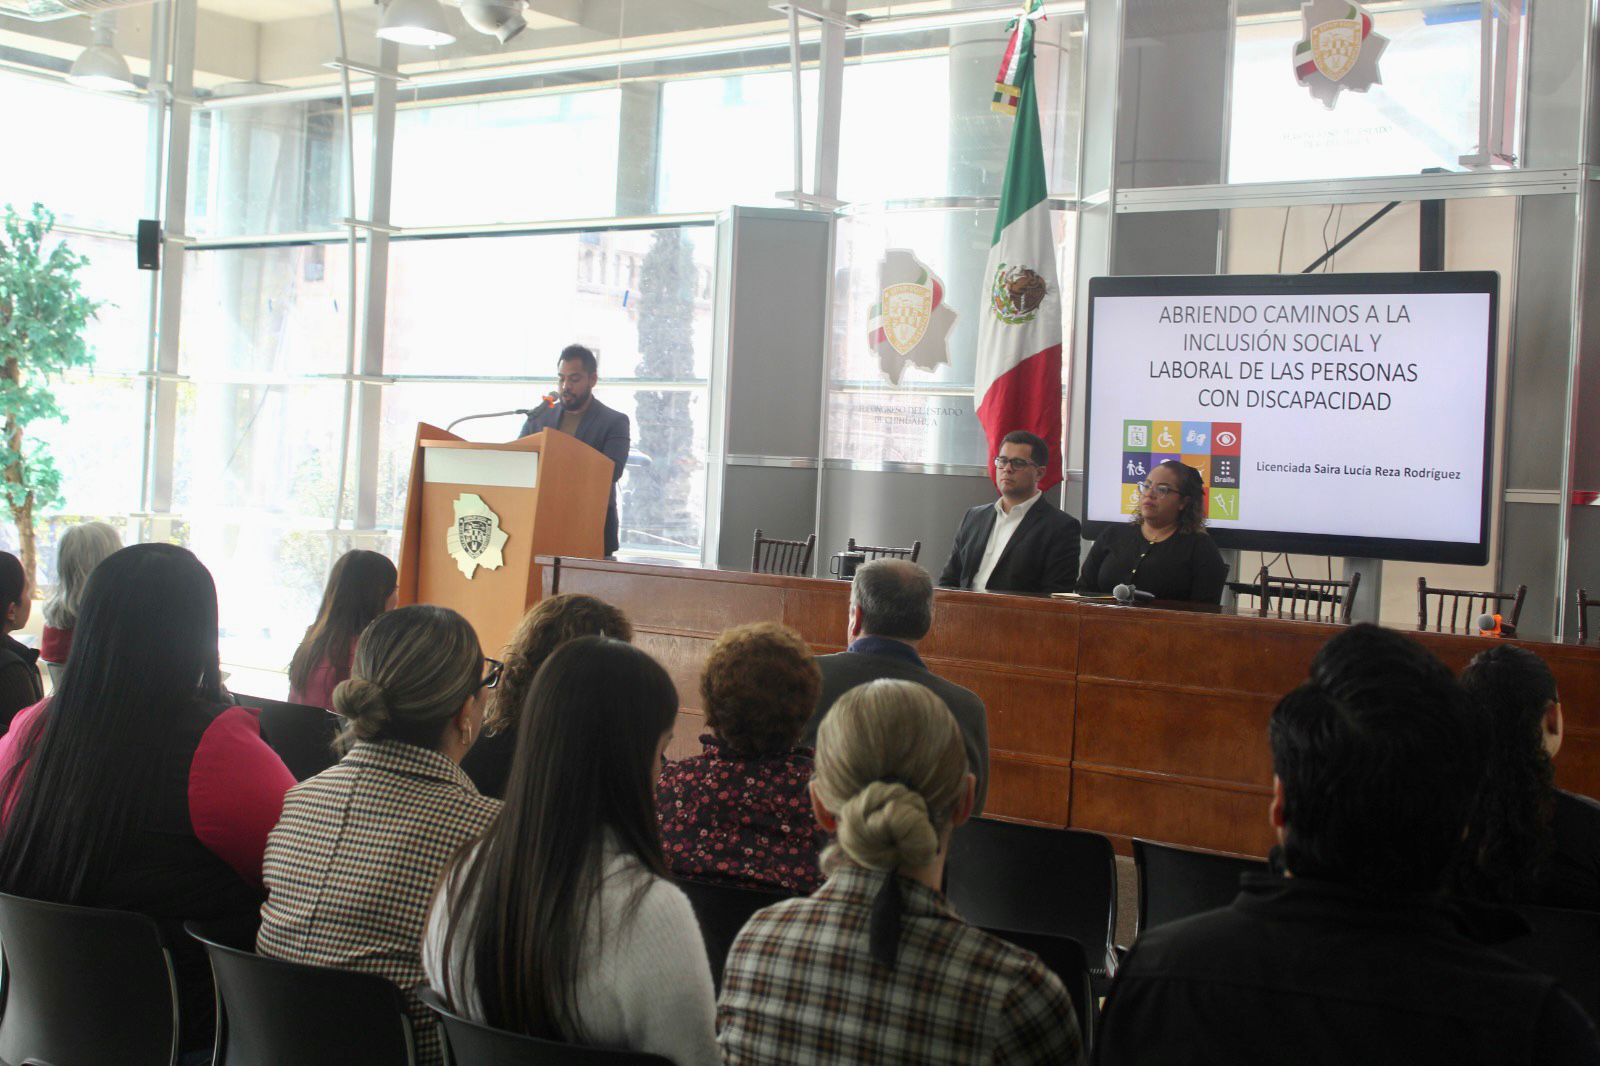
(1160,492)
(491,676)
(1001,462)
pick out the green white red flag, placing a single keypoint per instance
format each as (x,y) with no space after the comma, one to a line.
(1017,384)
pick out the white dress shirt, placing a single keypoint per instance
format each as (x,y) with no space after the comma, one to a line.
(1005,524)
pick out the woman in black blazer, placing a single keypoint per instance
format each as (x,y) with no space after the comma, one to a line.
(1165,550)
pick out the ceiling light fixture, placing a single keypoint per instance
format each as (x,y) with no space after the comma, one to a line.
(502,19)
(101,66)
(419,22)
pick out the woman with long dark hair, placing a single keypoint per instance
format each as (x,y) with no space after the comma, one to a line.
(351,867)
(560,922)
(361,586)
(137,785)
(20,684)
(1529,842)
(1165,549)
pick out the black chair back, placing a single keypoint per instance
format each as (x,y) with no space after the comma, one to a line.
(722,911)
(1063,956)
(271,1012)
(475,1044)
(86,986)
(301,735)
(1036,879)
(1566,945)
(774,555)
(1177,882)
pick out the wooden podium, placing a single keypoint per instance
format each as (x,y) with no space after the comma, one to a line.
(544,494)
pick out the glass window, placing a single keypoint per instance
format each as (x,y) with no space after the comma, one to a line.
(271,310)
(507,160)
(885,408)
(120,334)
(507,305)
(87,156)
(703,119)
(250,451)
(99,448)
(1423,114)
(263,168)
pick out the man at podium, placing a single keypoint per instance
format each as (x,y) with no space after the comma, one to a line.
(586,418)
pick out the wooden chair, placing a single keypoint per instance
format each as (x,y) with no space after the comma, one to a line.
(909,554)
(788,557)
(1487,603)
(1304,597)
(1584,603)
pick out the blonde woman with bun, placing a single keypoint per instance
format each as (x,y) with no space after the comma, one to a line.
(351,867)
(876,966)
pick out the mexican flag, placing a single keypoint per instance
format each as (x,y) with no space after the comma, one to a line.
(1018,380)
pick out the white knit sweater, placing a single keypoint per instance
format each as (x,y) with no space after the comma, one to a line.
(643,983)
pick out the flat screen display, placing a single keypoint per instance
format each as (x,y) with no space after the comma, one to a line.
(1334,414)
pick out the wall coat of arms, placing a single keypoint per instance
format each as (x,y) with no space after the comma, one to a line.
(910,323)
(475,538)
(1339,50)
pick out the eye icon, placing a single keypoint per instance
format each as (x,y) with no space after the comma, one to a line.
(1227,439)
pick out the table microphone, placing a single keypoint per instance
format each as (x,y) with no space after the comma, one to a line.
(1492,625)
(1130,594)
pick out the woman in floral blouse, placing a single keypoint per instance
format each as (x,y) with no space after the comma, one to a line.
(740,812)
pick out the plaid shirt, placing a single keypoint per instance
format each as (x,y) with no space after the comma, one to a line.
(352,865)
(801,987)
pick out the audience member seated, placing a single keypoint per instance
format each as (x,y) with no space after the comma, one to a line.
(1165,550)
(561,923)
(20,685)
(1353,957)
(361,586)
(1530,841)
(136,786)
(891,610)
(352,865)
(740,813)
(80,550)
(550,624)
(876,966)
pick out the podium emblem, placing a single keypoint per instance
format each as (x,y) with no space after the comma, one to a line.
(475,539)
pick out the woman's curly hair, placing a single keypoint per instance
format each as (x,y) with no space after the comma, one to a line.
(550,624)
(759,688)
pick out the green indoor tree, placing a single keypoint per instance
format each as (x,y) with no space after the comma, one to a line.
(43,313)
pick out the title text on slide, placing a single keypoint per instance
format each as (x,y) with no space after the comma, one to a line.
(1308,336)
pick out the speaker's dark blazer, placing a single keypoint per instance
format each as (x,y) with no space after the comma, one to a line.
(602,429)
(845,670)
(1041,556)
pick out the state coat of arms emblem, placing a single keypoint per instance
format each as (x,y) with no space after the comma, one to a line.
(1339,50)
(475,538)
(910,323)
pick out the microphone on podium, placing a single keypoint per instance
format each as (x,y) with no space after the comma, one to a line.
(1131,594)
(524,411)
(1492,625)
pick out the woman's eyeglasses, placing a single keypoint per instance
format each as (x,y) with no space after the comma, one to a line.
(491,676)
(1160,492)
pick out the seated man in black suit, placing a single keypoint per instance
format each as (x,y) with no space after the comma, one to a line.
(891,609)
(1021,542)
(1353,957)
(591,421)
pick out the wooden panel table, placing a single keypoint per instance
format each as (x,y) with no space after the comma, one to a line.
(1130,721)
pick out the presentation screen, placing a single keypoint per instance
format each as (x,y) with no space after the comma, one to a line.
(1331,414)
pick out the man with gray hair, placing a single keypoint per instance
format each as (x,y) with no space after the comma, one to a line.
(891,610)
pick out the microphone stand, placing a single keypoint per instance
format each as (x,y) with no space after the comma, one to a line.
(524,411)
